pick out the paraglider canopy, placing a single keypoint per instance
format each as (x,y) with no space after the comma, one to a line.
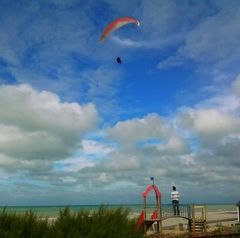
(114,25)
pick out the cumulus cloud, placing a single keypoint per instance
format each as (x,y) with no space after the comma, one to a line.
(42,138)
(38,126)
(193,151)
(94,147)
(73,165)
(224,103)
(138,129)
(210,122)
(158,150)
(229,147)
(236,85)
(190,149)
(174,145)
(214,134)
(121,161)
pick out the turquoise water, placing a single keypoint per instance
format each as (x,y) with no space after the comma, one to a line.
(53,211)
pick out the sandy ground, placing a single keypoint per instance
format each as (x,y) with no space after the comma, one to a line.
(214,220)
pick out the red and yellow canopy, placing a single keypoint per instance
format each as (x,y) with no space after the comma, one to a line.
(117,24)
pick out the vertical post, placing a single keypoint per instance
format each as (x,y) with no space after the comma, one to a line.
(145,212)
(193,219)
(189,217)
(145,207)
(238,213)
(205,218)
(160,213)
(189,211)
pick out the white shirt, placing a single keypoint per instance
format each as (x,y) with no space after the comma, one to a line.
(175,195)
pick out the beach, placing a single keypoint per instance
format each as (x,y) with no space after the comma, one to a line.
(213,219)
(216,221)
(218,217)
(225,214)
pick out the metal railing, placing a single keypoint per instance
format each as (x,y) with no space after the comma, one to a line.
(168,211)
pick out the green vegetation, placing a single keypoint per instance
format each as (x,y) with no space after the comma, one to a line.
(103,223)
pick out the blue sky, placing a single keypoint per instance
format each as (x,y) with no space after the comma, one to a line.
(78,128)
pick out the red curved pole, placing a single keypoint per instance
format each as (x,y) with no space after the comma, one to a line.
(149,189)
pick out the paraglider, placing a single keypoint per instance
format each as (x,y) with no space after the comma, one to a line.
(118,59)
(114,25)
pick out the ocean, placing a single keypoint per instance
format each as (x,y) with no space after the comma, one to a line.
(53,211)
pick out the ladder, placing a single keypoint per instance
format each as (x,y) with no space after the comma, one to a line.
(199,217)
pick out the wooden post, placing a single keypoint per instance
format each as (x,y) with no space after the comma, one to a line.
(238,211)
(189,217)
(145,213)
(145,207)
(158,213)
(160,217)
(193,219)
(205,218)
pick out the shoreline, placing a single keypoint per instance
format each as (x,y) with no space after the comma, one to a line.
(213,219)
(224,214)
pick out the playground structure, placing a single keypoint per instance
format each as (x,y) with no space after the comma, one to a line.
(194,214)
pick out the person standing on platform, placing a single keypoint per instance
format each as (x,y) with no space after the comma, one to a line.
(175,201)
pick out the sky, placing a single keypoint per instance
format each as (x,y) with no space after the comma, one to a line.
(78,128)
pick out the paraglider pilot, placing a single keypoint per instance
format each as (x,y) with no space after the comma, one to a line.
(118,59)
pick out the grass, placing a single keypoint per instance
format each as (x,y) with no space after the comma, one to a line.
(103,223)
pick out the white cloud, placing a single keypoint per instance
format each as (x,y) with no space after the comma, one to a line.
(159,20)
(30,109)
(104,178)
(101,82)
(38,126)
(172,61)
(42,137)
(236,85)
(6,161)
(128,42)
(122,162)
(212,41)
(210,122)
(34,26)
(174,145)
(215,36)
(137,129)
(159,27)
(229,148)
(74,164)
(30,144)
(225,103)
(94,147)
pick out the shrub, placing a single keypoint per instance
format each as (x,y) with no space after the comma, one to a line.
(103,223)
(26,225)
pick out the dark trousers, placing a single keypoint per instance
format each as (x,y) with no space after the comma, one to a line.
(175,205)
